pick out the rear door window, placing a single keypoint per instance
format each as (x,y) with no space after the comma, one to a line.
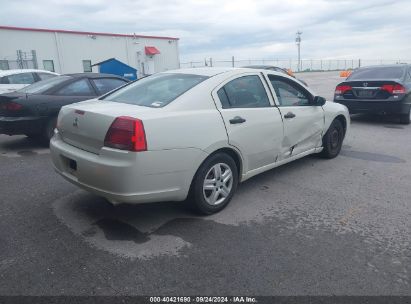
(105,85)
(80,87)
(44,76)
(244,92)
(22,78)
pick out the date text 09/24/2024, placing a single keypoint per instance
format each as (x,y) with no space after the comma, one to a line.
(199,299)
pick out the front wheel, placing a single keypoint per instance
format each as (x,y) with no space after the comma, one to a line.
(214,184)
(332,140)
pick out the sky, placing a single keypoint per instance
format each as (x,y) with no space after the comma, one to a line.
(260,29)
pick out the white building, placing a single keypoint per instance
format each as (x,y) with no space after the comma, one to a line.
(64,51)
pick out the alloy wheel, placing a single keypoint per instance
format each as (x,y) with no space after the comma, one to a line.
(218,184)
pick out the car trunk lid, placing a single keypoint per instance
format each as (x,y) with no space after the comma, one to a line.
(85,124)
(375,90)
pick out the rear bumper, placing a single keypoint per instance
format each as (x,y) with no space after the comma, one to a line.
(128,177)
(375,107)
(21,125)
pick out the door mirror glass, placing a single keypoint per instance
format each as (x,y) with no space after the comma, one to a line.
(319,101)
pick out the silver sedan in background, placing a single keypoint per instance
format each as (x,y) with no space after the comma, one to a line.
(193,134)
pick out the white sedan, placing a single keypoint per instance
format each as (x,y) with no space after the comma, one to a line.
(13,80)
(193,135)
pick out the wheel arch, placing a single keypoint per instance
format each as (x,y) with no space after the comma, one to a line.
(341,118)
(232,152)
(335,111)
(235,155)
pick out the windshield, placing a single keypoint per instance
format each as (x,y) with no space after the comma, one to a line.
(156,90)
(43,85)
(379,73)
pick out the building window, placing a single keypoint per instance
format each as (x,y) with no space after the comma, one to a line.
(4,65)
(48,65)
(87,66)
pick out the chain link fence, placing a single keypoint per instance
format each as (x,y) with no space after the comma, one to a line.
(307,65)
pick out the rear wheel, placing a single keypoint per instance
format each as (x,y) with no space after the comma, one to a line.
(48,130)
(405,118)
(214,184)
(332,140)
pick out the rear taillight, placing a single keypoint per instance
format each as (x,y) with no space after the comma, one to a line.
(341,89)
(11,106)
(126,133)
(393,88)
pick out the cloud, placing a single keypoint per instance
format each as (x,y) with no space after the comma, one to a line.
(375,29)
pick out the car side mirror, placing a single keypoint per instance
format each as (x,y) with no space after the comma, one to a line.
(319,101)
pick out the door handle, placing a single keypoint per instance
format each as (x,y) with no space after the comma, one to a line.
(289,115)
(237,120)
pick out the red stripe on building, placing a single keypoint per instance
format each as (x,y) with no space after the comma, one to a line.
(13,28)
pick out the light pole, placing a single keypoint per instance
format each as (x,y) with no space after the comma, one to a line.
(298,42)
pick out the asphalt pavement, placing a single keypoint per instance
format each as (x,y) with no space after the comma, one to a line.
(311,227)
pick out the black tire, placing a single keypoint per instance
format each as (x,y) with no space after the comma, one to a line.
(48,130)
(405,118)
(197,198)
(332,140)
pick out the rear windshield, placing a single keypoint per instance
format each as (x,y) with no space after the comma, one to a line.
(380,73)
(157,90)
(43,85)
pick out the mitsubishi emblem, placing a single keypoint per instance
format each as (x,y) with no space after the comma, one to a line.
(75,122)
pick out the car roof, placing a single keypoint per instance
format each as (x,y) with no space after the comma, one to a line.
(18,71)
(94,75)
(212,71)
(263,67)
(207,71)
(401,65)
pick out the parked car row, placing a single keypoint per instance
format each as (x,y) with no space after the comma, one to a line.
(33,109)
(192,134)
(12,80)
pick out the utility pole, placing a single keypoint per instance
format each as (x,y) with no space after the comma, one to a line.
(298,42)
